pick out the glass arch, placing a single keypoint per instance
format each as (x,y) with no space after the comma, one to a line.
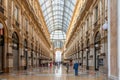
(57,14)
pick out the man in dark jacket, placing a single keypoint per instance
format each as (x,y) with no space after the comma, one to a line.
(75,67)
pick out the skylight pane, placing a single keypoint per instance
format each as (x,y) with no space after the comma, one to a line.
(41,1)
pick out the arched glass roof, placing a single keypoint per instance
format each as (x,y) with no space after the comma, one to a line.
(57,14)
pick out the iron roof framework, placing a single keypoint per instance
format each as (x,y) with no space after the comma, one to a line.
(57,14)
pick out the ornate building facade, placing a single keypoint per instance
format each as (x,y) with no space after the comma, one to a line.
(87,41)
(23,39)
(26,43)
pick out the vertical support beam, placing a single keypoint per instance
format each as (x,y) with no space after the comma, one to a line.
(118,36)
(109,71)
(113,45)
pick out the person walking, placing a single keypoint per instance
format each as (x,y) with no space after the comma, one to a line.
(75,67)
(67,66)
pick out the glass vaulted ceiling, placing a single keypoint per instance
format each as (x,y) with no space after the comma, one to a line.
(57,14)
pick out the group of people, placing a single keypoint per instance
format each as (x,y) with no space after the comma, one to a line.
(75,67)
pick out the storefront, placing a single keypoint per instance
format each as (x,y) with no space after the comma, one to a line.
(97,50)
(32,57)
(1,47)
(15,51)
(25,55)
(82,55)
(88,54)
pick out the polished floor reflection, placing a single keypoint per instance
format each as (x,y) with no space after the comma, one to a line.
(55,73)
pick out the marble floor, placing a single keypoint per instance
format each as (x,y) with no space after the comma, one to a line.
(55,73)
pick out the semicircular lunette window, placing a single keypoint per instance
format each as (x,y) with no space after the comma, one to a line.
(57,15)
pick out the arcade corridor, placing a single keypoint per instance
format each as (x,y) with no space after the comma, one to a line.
(37,35)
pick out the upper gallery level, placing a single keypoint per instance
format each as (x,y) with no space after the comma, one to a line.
(25,17)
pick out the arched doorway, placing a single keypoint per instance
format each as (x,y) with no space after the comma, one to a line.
(26,54)
(15,51)
(1,46)
(58,57)
(88,53)
(97,50)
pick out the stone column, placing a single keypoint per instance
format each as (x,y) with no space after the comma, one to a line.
(20,56)
(10,56)
(118,35)
(5,67)
(113,39)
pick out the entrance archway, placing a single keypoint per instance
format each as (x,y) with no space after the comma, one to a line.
(58,57)
(15,51)
(1,46)
(26,54)
(97,50)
